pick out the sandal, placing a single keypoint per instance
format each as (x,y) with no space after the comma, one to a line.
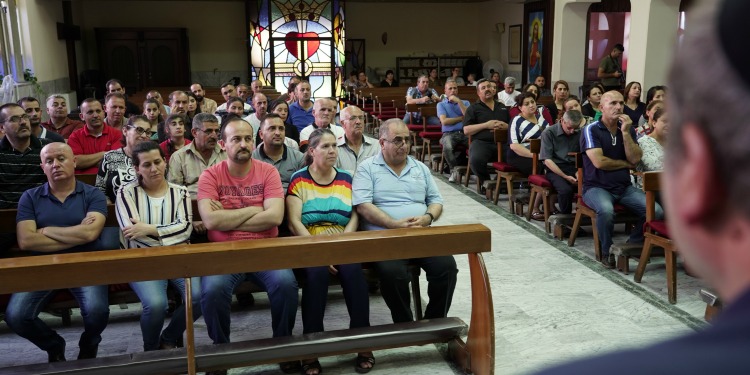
(361,360)
(537,215)
(290,367)
(314,365)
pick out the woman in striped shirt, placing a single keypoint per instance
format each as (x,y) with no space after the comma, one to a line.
(524,127)
(153,212)
(319,202)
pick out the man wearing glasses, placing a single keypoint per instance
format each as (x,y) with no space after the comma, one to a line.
(90,142)
(392,190)
(356,146)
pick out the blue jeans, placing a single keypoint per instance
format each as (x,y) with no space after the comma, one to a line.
(315,295)
(22,316)
(394,286)
(216,300)
(602,202)
(153,296)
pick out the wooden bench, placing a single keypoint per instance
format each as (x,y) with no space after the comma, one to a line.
(476,355)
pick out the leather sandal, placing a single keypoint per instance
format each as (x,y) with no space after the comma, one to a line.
(361,359)
(537,215)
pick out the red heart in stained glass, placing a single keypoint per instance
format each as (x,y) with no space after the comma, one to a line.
(293,43)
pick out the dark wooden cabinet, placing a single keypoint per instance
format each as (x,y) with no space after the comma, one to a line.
(144,58)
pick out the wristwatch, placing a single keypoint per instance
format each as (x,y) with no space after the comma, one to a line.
(432,218)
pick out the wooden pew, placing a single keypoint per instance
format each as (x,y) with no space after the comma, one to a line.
(476,355)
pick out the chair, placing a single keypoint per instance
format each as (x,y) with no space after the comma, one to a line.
(656,233)
(583,210)
(505,171)
(429,133)
(415,128)
(539,185)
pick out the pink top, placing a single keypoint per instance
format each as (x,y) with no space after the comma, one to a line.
(263,182)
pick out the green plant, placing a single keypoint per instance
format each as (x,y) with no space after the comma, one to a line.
(29,77)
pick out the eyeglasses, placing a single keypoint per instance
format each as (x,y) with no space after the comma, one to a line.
(17,119)
(209,131)
(141,131)
(399,141)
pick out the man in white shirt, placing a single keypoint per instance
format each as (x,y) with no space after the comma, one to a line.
(324,109)
(508,96)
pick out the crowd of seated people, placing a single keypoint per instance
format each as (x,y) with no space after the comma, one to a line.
(153,207)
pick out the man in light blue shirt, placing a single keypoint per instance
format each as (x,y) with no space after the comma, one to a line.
(392,190)
(451,113)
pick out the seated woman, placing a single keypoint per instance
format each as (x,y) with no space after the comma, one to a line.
(648,126)
(153,212)
(594,97)
(634,107)
(658,92)
(116,168)
(389,80)
(560,92)
(653,144)
(573,103)
(319,202)
(363,81)
(174,128)
(193,107)
(153,114)
(542,110)
(524,127)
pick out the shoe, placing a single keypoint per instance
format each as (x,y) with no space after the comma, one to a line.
(361,359)
(314,365)
(290,367)
(56,355)
(86,352)
(452,178)
(609,261)
(537,215)
(163,345)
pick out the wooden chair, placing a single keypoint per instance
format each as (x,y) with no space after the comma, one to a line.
(505,171)
(539,185)
(656,233)
(584,210)
(430,134)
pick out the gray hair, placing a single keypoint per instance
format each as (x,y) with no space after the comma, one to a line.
(701,62)
(53,97)
(573,116)
(346,111)
(510,81)
(203,118)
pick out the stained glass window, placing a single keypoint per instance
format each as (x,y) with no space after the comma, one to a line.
(302,38)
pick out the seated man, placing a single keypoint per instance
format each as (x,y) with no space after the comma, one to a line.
(509,94)
(114,86)
(57,109)
(260,104)
(240,199)
(91,142)
(61,215)
(610,152)
(480,122)
(324,111)
(207,105)
(392,190)
(300,110)
(228,91)
(187,163)
(421,94)
(541,83)
(31,106)
(114,108)
(356,146)
(558,141)
(273,149)
(451,111)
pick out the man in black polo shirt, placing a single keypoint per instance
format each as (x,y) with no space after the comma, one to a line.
(19,161)
(480,121)
(557,142)
(610,152)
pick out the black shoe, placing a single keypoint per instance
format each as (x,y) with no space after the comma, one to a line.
(86,352)
(609,261)
(56,355)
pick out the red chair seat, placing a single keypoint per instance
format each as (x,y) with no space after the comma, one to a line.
(540,180)
(431,135)
(504,167)
(659,226)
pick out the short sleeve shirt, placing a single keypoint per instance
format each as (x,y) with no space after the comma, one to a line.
(84,143)
(399,196)
(556,145)
(291,161)
(299,116)
(479,113)
(597,135)
(263,182)
(325,208)
(450,110)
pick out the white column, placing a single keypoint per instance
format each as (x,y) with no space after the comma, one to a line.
(569,42)
(653,33)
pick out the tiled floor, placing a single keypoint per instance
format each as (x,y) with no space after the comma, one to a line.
(552,304)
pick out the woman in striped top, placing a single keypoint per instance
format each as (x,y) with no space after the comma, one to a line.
(153,212)
(524,127)
(319,202)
